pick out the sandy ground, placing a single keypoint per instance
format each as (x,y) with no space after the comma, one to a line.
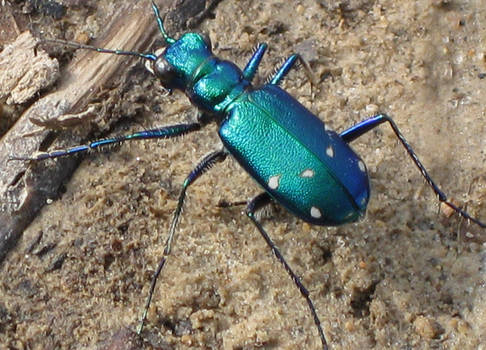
(404,277)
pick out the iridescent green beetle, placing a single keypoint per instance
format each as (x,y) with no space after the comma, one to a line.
(294,157)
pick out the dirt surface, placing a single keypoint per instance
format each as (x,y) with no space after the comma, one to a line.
(403,277)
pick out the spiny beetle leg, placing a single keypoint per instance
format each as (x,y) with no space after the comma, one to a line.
(364,126)
(203,166)
(284,69)
(254,205)
(282,72)
(225,204)
(159,133)
(252,65)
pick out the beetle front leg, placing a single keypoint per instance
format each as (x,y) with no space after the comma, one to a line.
(252,65)
(159,133)
(255,204)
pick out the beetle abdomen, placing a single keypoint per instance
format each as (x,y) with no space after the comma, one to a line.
(289,152)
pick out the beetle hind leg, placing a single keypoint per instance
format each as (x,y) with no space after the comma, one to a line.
(364,126)
(255,204)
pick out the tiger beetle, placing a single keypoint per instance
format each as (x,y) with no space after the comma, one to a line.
(298,161)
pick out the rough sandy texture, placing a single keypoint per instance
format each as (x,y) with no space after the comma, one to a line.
(398,279)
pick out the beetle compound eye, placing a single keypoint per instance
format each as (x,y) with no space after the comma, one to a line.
(164,71)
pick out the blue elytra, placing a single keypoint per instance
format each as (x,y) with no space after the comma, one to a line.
(302,164)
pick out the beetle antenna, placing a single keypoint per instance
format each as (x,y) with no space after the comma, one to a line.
(160,24)
(147,56)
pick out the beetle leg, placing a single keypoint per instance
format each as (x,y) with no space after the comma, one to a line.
(255,204)
(159,133)
(252,65)
(203,166)
(364,126)
(284,69)
(357,130)
(225,204)
(287,66)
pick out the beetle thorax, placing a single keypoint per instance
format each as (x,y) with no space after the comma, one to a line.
(215,85)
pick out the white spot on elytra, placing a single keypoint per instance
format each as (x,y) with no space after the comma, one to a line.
(330,151)
(349,216)
(307,173)
(362,166)
(274,182)
(315,213)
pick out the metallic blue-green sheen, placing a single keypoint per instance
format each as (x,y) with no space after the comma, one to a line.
(209,82)
(305,167)
(186,55)
(272,135)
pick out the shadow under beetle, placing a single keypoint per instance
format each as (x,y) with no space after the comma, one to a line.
(300,163)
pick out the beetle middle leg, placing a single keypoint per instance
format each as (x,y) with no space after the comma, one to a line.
(251,67)
(203,166)
(288,64)
(255,204)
